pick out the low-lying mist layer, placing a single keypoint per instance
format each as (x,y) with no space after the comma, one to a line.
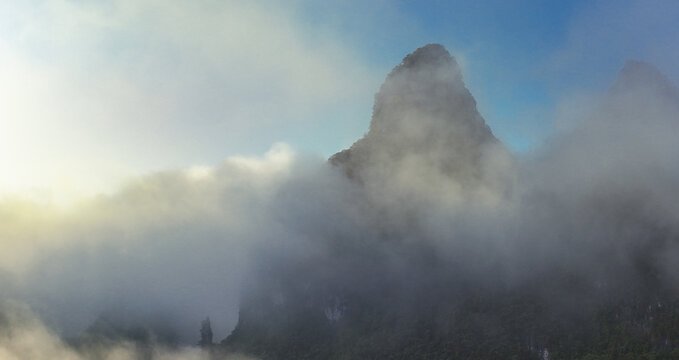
(165,251)
(23,336)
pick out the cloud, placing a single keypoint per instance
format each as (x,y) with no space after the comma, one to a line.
(182,236)
(168,85)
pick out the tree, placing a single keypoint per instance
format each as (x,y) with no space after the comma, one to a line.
(205,333)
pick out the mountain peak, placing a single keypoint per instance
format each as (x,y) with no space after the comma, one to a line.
(635,69)
(429,54)
(423,114)
(642,76)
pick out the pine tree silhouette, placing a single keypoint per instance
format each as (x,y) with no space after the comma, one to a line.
(205,333)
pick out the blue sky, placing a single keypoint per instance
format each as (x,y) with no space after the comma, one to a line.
(520,57)
(504,45)
(94,92)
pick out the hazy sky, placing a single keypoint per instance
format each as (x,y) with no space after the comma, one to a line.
(94,92)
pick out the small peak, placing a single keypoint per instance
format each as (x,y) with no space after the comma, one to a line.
(639,75)
(422,111)
(638,71)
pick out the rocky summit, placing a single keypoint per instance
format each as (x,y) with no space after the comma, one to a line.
(423,111)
